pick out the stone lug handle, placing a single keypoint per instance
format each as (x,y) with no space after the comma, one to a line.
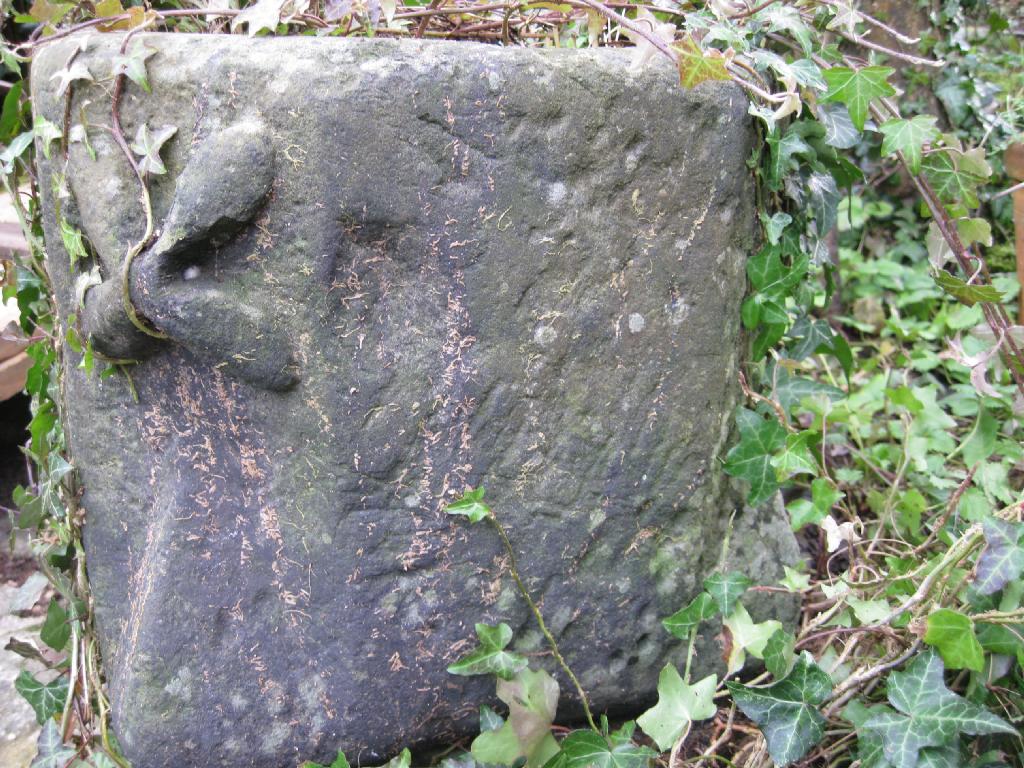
(174,285)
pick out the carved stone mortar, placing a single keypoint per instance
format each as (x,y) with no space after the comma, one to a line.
(388,271)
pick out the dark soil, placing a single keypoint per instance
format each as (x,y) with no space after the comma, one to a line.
(14,418)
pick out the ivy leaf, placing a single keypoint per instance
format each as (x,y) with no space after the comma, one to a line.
(796,457)
(726,589)
(952,182)
(767,274)
(50,749)
(532,699)
(790,391)
(680,623)
(908,137)
(795,581)
(696,65)
(56,629)
(44,10)
(133,65)
(402,760)
(939,252)
(812,511)
(99,760)
(490,657)
(974,231)
(68,75)
(870,749)
(810,335)
(808,74)
(786,18)
(14,150)
(586,749)
(46,699)
(966,293)
(147,146)
(825,198)
(775,226)
(1002,561)
(929,714)
(869,611)
(857,88)
(779,653)
(489,719)
(839,130)
(782,150)
(747,637)
(844,16)
(678,705)
(73,242)
(786,711)
(751,460)
(952,634)
(263,14)
(471,505)
(339,762)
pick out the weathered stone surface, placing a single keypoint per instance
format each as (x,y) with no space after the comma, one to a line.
(389,271)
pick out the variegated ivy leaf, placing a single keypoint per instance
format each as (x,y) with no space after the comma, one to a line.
(927,714)
(825,198)
(73,242)
(679,704)
(147,146)
(65,77)
(751,459)
(796,456)
(727,589)
(46,699)
(586,749)
(783,151)
(778,653)
(47,133)
(787,711)
(680,623)
(844,17)
(261,15)
(780,17)
(839,129)
(1002,560)
(50,749)
(133,64)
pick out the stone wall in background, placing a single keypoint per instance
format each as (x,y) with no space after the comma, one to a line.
(388,271)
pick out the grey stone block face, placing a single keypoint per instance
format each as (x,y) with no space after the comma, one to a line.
(388,271)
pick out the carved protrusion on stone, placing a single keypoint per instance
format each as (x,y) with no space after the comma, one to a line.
(173,283)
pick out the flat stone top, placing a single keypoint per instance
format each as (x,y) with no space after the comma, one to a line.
(387,271)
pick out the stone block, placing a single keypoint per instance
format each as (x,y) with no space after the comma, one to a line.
(385,272)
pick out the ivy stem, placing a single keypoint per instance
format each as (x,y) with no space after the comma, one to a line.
(689,654)
(552,643)
(136,248)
